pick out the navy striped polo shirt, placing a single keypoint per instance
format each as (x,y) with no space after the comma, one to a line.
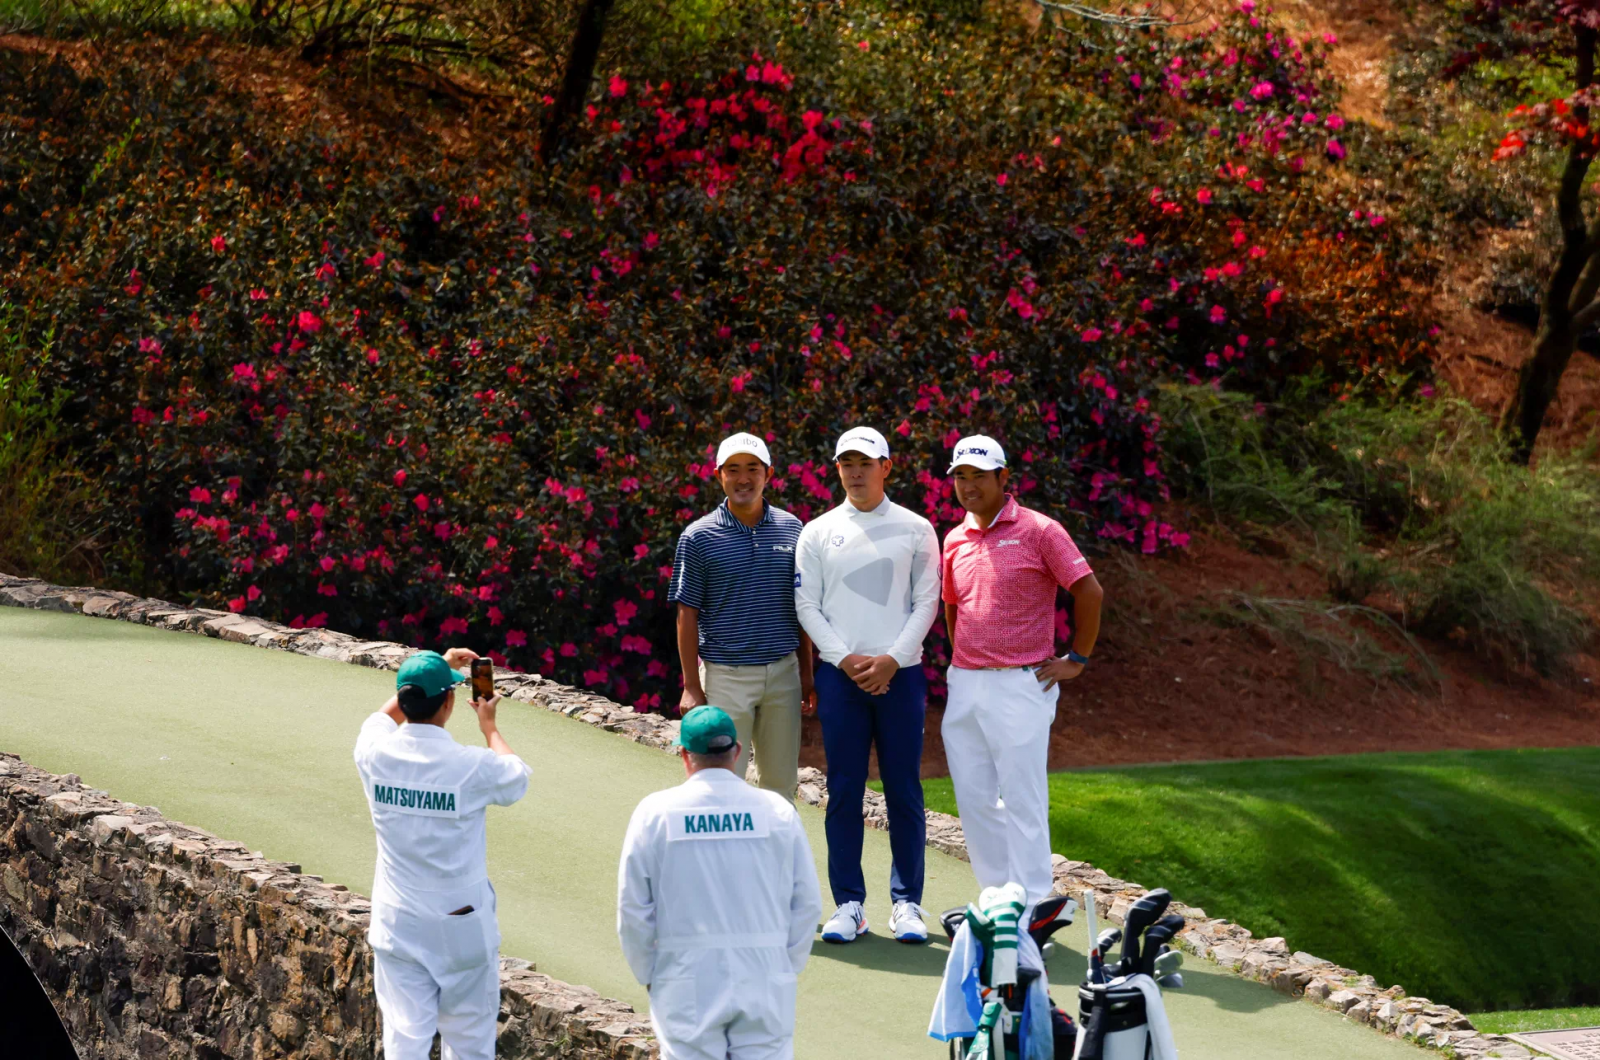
(741,580)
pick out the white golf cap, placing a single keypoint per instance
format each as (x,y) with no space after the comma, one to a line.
(734,444)
(979,451)
(862,440)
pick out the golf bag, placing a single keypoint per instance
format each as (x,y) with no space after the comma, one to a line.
(1120,1012)
(1011,1021)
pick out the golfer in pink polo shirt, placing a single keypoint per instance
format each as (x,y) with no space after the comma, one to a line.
(1002,565)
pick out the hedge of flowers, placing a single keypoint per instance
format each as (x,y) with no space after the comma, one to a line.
(333,381)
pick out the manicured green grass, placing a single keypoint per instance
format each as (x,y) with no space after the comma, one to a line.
(1466,877)
(1537,1019)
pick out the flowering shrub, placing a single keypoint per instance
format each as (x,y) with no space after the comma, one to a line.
(340,382)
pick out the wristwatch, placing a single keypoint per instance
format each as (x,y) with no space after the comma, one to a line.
(1081,660)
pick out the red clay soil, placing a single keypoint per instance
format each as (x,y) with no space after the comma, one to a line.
(1169,683)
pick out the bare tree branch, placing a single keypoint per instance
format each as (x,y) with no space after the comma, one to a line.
(1094,14)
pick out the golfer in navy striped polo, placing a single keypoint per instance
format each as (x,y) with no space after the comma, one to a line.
(739,641)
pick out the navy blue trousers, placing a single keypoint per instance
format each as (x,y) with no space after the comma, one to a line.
(852,723)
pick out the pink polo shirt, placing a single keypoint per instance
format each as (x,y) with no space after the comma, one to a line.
(1003,582)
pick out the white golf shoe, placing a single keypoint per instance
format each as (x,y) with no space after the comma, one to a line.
(845,924)
(905,923)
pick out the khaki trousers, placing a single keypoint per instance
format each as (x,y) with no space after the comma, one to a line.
(764,703)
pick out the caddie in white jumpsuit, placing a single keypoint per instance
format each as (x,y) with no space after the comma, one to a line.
(717,904)
(434,935)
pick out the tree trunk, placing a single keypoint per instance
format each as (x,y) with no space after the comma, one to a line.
(1569,296)
(1537,382)
(580,71)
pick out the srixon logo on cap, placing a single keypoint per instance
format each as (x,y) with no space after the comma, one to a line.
(972,450)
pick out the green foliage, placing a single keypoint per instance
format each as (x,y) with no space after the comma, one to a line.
(1387,864)
(372,385)
(1409,499)
(39,496)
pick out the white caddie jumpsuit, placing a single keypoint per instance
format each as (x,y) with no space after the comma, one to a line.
(434,971)
(717,905)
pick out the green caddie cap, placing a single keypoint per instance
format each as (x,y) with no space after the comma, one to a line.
(706,731)
(429,672)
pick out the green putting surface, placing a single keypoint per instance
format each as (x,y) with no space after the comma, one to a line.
(254,746)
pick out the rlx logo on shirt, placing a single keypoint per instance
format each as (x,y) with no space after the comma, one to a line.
(783,548)
(1007,541)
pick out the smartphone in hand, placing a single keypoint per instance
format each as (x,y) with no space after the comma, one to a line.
(483,679)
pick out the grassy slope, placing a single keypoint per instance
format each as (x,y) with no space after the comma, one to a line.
(1461,875)
(1542,1019)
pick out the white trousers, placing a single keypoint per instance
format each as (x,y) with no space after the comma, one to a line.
(997,743)
(435,972)
(724,1004)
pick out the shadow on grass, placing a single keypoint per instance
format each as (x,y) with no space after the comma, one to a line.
(879,954)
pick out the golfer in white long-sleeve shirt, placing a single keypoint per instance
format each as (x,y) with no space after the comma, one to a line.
(434,934)
(717,903)
(866,592)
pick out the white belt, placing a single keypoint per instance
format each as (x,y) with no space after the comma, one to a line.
(771,940)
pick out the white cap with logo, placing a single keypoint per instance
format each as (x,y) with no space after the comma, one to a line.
(862,440)
(979,451)
(734,444)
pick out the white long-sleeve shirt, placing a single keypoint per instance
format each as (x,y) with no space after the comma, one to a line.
(427,794)
(716,865)
(867,583)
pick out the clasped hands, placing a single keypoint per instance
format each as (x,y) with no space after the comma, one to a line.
(871,673)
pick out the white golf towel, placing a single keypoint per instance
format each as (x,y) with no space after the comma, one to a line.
(1162,1047)
(959,1004)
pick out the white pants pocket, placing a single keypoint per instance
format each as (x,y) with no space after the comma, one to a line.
(467,941)
(675,1011)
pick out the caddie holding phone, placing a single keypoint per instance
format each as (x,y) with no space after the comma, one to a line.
(434,934)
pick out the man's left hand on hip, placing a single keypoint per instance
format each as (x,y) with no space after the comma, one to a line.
(1057,671)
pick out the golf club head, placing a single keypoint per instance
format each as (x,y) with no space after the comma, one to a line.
(1171,982)
(1050,916)
(951,920)
(1108,938)
(1155,938)
(1167,962)
(1141,915)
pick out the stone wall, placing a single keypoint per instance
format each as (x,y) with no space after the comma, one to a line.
(1270,961)
(156,940)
